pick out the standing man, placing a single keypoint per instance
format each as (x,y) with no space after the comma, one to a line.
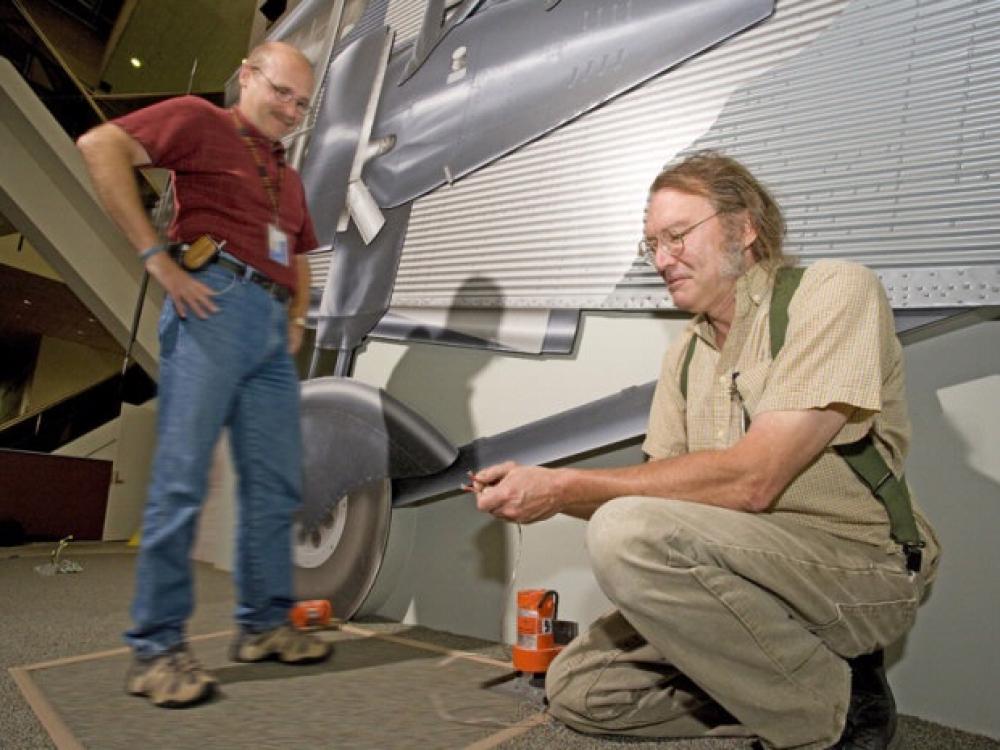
(238,289)
(756,577)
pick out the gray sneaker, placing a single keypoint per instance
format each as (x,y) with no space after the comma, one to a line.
(284,644)
(172,680)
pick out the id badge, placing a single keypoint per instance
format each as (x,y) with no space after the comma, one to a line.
(277,245)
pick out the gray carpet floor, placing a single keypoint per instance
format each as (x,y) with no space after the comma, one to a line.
(373,694)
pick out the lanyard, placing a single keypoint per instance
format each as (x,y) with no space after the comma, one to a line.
(273,191)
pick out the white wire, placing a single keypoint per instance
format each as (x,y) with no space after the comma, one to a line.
(439,706)
(509,593)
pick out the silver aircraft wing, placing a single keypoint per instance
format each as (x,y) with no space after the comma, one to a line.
(513,71)
(490,79)
(395,124)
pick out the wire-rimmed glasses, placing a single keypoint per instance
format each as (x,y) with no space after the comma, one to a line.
(284,94)
(673,244)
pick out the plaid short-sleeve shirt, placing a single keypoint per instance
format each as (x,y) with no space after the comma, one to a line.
(840,347)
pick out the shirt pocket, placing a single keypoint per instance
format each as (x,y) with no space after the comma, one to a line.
(750,383)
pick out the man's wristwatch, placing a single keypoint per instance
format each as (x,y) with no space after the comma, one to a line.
(299,321)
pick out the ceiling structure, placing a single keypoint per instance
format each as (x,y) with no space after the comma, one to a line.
(77,54)
(35,305)
(195,48)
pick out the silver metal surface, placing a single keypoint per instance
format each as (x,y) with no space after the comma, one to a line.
(405,17)
(360,205)
(359,282)
(603,423)
(880,140)
(556,222)
(560,329)
(328,163)
(320,66)
(311,27)
(875,124)
(529,71)
(492,78)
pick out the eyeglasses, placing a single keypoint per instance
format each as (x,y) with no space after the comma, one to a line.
(672,243)
(284,94)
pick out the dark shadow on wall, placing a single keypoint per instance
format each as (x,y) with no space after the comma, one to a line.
(957,634)
(460,557)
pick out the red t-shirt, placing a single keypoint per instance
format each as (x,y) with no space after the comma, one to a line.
(218,188)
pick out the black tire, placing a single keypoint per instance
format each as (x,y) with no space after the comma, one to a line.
(340,558)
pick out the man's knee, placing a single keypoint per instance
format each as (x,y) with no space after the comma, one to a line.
(623,533)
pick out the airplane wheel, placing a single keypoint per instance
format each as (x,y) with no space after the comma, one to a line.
(340,557)
(349,546)
(354,555)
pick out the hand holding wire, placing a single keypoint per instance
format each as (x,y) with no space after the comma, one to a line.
(512,492)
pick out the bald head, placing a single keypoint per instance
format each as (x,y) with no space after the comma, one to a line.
(276,83)
(278,53)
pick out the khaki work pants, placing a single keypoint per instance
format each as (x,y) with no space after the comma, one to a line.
(728,624)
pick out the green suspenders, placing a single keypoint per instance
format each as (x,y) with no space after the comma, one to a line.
(862,456)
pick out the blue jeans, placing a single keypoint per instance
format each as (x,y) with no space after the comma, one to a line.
(232,369)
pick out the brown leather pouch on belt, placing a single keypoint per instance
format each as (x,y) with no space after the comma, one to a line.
(199,253)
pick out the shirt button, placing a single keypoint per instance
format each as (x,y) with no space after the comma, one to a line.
(755,298)
(720,434)
(723,380)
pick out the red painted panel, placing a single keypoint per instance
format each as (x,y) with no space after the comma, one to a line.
(54,496)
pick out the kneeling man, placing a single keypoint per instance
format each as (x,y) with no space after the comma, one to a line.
(755,571)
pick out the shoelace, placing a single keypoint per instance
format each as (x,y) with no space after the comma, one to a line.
(294,639)
(185,662)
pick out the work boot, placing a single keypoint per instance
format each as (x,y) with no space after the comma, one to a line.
(871,715)
(171,680)
(283,643)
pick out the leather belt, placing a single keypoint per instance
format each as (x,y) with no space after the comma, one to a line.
(248,273)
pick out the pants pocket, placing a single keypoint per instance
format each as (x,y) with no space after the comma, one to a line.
(863,628)
(167,328)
